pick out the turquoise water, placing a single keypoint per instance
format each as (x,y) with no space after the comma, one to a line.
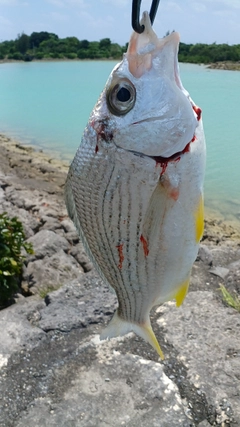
(47,104)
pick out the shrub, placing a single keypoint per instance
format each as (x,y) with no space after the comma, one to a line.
(17,56)
(12,242)
(71,55)
(39,55)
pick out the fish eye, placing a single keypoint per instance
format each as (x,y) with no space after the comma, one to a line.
(121,97)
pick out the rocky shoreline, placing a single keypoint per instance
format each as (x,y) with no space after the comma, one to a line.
(225,65)
(55,371)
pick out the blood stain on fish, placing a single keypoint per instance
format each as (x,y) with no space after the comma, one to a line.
(163,161)
(145,245)
(174,194)
(198,111)
(121,256)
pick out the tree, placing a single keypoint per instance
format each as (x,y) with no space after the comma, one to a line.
(105,43)
(22,43)
(84,44)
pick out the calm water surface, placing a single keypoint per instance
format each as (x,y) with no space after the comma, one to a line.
(47,104)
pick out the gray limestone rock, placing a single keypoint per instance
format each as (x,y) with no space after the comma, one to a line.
(118,391)
(68,225)
(205,255)
(47,243)
(235,267)
(72,237)
(204,423)
(49,223)
(16,331)
(51,272)
(30,224)
(78,252)
(78,304)
(221,272)
(207,336)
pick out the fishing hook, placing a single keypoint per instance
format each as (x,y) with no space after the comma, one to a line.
(136,4)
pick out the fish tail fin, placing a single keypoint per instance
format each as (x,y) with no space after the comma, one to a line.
(119,327)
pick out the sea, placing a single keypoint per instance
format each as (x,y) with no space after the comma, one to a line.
(47,105)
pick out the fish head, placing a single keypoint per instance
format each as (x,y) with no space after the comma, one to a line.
(144,108)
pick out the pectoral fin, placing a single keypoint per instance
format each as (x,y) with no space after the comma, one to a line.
(162,199)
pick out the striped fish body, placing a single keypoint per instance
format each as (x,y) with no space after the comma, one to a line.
(134,188)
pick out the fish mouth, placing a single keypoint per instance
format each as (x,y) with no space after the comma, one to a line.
(163,161)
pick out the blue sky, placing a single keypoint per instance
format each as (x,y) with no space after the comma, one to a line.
(205,21)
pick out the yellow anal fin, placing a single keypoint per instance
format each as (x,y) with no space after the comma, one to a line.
(181,293)
(199,220)
(119,327)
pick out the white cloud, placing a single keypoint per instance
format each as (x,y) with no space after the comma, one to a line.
(118,3)
(58,3)
(4,21)
(224,13)
(235,4)
(171,6)
(198,7)
(60,17)
(66,3)
(106,21)
(7,28)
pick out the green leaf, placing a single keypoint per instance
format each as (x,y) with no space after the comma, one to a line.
(7,273)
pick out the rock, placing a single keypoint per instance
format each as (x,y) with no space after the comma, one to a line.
(72,237)
(137,393)
(47,243)
(50,273)
(30,224)
(49,223)
(75,305)
(18,297)
(235,267)
(16,331)
(54,368)
(206,336)
(79,254)
(204,423)
(205,255)
(22,198)
(225,254)
(68,225)
(219,271)
(2,195)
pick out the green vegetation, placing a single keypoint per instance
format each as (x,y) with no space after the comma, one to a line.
(206,53)
(46,45)
(12,242)
(232,301)
(49,288)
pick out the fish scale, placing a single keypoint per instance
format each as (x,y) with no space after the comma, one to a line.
(135,187)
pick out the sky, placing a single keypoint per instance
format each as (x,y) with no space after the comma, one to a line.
(205,21)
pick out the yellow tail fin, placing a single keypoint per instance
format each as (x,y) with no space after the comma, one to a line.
(119,327)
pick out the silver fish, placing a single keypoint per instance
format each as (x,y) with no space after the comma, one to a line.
(135,187)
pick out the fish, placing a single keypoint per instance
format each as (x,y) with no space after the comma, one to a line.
(134,189)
